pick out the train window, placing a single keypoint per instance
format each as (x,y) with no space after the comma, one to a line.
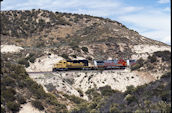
(100,62)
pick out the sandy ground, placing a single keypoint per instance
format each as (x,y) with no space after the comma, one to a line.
(117,79)
(10,48)
(144,50)
(28,108)
(149,49)
(44,63)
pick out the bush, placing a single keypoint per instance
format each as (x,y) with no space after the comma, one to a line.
(152,58)
(114,108)
(165,55)
(24,62)
(2,110)
(74,56)
(13,106)
(139,64)
(37,104)
(130,89)
(106,91)
(85,49)
(130,98)
(8,81)
(32,59)
(166,75)
(21,100)
(65,56)
(74,99)
(9,94)
(89,58)
(80,92)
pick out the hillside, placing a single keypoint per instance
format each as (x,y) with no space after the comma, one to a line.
(65,33)
(33,40)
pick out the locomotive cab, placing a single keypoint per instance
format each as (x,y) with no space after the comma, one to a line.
(62,65)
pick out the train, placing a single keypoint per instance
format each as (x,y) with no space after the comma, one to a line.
(64,65)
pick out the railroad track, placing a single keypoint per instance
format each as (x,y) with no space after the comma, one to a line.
(44,72)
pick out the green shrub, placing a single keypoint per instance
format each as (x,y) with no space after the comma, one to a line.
(165,55)
(24,62)
(13,106)
(74,56)
(130,89)
(2,110)
(165,95)
(21,99)
(152,58)
(65,56)
(114,108)
(8,81)
(85,49)
(166,75)
(8,94)
(89,58)
(130,98)
(139,64)
(32,59)
(94,111)
(74,99)
(37,104)
(93,105)
(106,91)
(80,92)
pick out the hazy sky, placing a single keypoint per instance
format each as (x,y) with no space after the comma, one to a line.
(151,18)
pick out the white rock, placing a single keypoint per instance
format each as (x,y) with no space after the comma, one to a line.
(10,49)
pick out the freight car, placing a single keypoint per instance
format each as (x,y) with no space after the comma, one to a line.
(111,64)
(98,64)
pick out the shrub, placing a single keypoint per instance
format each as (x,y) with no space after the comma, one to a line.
(139,64)
(13,106)
(165,95)
(89,58)
(74,56)
(24,62)
(114,108)
(9,94)
(93,111)
(106,91)
(85,49)
(130,98)
(2,110)
(80,92)
(74,99)
(152,58)
(130,89)
(32,59)
(8,81)
(21,100)
(93,105)
(166,75)
(65,56)
(37,104)
(165,55)
(50,87)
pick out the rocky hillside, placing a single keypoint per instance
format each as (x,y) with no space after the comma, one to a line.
(33,40)
(75,35)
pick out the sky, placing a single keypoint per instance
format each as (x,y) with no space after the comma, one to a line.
(151,18)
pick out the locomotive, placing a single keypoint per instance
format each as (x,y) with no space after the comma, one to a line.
(98,64)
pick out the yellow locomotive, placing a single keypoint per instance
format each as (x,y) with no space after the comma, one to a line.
(70,64)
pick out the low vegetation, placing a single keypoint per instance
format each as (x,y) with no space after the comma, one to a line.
(153,97)
(18,88)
